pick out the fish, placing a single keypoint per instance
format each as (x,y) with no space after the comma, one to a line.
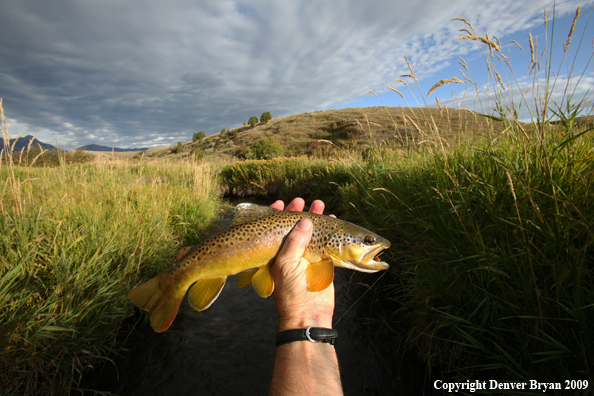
(249,247)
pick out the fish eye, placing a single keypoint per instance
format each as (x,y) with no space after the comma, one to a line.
(368,240)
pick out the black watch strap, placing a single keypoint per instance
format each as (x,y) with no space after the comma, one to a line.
(313,334)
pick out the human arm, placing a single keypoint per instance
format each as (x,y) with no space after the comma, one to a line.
(302,367)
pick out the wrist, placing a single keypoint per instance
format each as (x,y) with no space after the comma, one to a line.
(314,319)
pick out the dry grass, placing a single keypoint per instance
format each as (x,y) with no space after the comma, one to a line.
(317,133)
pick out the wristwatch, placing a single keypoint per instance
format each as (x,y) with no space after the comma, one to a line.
(313,334)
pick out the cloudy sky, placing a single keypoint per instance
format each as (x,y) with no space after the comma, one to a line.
(148,73)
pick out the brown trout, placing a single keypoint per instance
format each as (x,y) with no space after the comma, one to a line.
(248,248)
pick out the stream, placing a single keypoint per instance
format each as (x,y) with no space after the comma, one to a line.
(229,348)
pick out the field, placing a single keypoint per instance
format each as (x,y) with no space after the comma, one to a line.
(75,239)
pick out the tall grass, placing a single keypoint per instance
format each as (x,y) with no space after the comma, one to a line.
(492,273)
(74,240)
(492,241)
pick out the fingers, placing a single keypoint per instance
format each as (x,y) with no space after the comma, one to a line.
(296,205)
(278,204)
(317,207)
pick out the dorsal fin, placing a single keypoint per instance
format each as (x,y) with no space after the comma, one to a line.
(246,212)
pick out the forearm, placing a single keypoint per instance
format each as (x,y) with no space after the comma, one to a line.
(305,368)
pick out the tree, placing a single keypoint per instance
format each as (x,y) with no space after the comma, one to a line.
(198,136)
(253,121)
(265,117)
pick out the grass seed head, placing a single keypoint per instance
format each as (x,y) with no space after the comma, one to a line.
(397,91)
(577,14)
(453,80)
(465,21)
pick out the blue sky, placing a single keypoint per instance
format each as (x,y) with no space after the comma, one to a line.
(151,73)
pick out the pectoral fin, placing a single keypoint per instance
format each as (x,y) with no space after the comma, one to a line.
(183,251)
(245,278)
(204,292)
(319,275)
(263,282)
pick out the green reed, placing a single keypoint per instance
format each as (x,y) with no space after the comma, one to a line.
(74,241)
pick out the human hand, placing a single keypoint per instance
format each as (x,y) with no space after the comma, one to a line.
(296,306)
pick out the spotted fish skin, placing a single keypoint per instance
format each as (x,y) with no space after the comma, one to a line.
(249,247)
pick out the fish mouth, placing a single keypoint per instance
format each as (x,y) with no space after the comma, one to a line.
(370,262)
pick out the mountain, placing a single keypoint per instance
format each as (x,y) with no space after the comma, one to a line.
(96,147)
(23,143)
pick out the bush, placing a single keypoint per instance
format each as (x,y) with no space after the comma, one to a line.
(177,149)
(265,117)
(198,154)
(267,148)
(198,136)
(253,121)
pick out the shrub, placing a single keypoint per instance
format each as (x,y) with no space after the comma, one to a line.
(177,149)
(198,154)
(253,121)
(267,148)
(198,136)
(265,117)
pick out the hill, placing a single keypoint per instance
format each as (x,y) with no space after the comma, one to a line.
(96,147)
(23,143)
(317,133)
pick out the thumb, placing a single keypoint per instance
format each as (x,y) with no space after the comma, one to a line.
(292,251)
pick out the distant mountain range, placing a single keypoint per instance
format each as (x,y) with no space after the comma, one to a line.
(23,143)
(96,147)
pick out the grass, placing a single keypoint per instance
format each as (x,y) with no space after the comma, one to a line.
(284,178)
(492,272)
(74,240)
(326,134)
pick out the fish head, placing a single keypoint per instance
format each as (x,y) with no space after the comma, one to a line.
(356,248)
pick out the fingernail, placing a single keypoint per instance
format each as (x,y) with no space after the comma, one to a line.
(304,225)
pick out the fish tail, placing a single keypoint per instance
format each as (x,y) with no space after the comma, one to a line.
(162,305)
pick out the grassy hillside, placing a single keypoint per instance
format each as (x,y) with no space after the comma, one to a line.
(322,132)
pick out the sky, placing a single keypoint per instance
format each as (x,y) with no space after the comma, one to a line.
(150,73)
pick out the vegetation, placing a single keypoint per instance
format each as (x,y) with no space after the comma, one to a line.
(265,117)
(37,156)
(490,219)
(267,148)
(198,136)
(253,121)
(177,148)
(74,240)
(198,154)
(492,274)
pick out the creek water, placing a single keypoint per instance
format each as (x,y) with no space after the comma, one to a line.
(229,349)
